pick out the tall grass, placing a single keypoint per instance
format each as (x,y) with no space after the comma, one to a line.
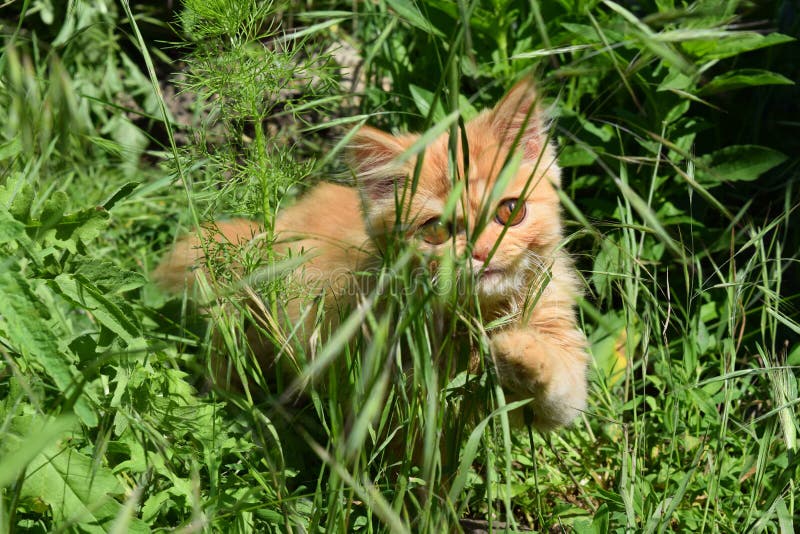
(676,126)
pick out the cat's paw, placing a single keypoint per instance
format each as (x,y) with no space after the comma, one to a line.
(520,361)
(530,364)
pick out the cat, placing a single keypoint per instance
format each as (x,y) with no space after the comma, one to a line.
(514,250)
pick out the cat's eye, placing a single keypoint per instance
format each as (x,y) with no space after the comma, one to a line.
(505,212)
(435,231)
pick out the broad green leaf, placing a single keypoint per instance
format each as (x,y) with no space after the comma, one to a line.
(18,452)
(785,518)
(794,357)
(609,353)
(17,196)
(113,313)
(76,488)
(84,225)
(604,132)
(9,149)
(678,111)
(160,502)
(25,323)
(733,45)
(84,347)
(676,80)
(737,163)
(53,210)
(576,156)
(423,99)
(587,33)
(738,79)
(10,228)
(108,277)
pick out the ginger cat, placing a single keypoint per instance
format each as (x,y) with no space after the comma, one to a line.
(541,354)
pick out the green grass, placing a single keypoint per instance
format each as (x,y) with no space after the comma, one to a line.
(677,128)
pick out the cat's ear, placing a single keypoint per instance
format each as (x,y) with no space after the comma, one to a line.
(519,117)
(373,156)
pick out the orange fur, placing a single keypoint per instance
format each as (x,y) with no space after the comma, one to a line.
(541,354)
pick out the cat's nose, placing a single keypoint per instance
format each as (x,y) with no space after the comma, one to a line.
(480,254)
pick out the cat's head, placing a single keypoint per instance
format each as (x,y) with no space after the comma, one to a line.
(507,219)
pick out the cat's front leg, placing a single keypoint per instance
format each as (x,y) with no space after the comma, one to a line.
(547,366)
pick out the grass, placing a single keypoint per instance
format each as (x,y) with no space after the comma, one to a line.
(676,126)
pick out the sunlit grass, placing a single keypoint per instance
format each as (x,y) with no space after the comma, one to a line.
(690,270)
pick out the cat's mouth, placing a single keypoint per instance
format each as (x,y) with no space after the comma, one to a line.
(482,271)
(490,272)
